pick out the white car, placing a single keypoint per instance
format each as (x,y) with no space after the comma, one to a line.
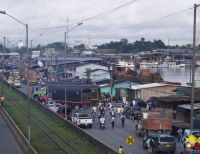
(9,81)
(82,119)
(17,83)
(52,106)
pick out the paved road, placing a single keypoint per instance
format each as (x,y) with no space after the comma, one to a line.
(8,143)
(117,136)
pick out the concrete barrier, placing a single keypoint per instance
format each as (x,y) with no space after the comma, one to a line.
(23,142)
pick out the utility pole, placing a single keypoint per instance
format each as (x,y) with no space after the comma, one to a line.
(66,42)
(29,114)
(168,42)
(111,84)
(29,105)
(4,51)
(193,68)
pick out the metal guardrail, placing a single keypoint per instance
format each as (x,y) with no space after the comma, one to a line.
(94,141)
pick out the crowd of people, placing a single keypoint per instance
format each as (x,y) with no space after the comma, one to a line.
(114,112)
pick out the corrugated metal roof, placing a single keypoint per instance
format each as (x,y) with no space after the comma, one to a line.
(188,106)
(144,86)
(70,58)
(125,85)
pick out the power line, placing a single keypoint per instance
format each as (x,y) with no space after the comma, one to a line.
(110,11)
(103,14)
(173,14)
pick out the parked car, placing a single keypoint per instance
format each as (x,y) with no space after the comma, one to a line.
(82,119)
(61,111)
(52,106)
(152,102)
(133,111)
(17,83)
(162,143)
(9,81)
(139,102)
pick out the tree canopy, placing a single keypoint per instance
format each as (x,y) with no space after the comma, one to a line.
(137,46)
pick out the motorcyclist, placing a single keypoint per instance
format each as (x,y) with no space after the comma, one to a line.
(102,121)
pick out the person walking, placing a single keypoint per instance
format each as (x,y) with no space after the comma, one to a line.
(180,133)
(150,144)
(122,119)
(76,108)
(2,101)
(132,117)
(113,121)
(119,111)
(121,150)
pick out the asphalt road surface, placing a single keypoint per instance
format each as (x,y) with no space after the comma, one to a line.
(117,136)
(114,137)
(8,143)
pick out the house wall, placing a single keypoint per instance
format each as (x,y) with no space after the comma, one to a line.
(80,70)
(105,89)
(120,90)
(99,75)
(146,93)
(182,117)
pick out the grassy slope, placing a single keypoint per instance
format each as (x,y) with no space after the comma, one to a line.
(15,104)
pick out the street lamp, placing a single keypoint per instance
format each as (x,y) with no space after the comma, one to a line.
(29,114)
(4,49)
(193,68)
(35,39)
(66,37)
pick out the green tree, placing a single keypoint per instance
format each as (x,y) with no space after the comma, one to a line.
(80,47)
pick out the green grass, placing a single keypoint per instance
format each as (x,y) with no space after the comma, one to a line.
(15,104)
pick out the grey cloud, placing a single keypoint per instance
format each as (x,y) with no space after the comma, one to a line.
(49,13)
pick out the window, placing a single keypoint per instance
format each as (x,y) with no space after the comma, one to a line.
(83,115)
(166,139)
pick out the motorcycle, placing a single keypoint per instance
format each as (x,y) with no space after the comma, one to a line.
(102,125)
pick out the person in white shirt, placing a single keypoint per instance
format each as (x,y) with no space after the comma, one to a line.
(94,109)
(134,102)
(102,121)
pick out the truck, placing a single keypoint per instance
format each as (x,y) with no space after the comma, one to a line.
(82,119)
(76,92)
(38,94)
(155,120)
(30,76)
(157,124)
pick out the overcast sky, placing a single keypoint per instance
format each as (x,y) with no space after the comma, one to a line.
(42,15)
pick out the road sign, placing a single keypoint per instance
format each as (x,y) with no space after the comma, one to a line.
(130,140)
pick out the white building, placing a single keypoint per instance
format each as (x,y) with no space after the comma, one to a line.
(94,72)
(35,54)
(87,52)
